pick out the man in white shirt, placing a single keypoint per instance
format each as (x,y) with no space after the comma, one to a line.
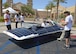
(22,18)
(17,16)
(67,27)
(7,20)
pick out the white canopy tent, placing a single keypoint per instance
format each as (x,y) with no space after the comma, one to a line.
(10,10)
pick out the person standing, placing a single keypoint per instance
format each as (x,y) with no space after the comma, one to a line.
(17,17)
(67,27)
(22,18)
(7,20)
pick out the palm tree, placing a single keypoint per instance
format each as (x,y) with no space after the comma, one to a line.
(27,9)
(49,6)
(58,2)
(0,7)
(6,5)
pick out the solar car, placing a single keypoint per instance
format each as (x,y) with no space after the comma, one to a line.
(32,30)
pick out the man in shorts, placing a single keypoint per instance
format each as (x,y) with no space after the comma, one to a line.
(67,27)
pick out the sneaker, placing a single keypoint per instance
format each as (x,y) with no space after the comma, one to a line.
(66,47)
(59,39)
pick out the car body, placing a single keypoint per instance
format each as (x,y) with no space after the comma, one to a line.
(31,30)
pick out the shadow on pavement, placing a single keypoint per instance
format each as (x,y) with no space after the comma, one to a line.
(73,46)
(73,43)
(29,43)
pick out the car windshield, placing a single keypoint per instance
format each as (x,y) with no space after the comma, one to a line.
(30,24)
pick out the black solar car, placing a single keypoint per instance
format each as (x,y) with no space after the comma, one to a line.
(31,30)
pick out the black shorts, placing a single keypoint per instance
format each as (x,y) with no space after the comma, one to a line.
(67,34)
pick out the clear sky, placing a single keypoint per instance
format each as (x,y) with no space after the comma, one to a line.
(40,4)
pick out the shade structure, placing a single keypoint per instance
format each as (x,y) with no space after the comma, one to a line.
(11,10)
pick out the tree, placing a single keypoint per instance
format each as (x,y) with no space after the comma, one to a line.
(6,5)
(58,2)
(27,9)
(49,6)
(0,7)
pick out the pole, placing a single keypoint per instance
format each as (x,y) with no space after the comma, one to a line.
(57,10)
(75,14)
(0,7)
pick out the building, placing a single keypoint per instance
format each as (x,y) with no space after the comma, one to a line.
(43,13)
(71,9)
(18,5)
(10,2)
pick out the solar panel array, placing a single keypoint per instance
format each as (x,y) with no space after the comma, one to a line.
(42,31)
(20,32)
